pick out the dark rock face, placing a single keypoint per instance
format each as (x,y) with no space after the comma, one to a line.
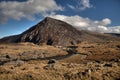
(55,32)
(115,34)
(51,32)
(10,39)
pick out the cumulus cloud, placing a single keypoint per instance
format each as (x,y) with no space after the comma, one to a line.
(114,29)
(17,10)
(73,20)
(83,4)
(106,21)
(81,23)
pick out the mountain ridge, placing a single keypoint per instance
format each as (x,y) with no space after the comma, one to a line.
(56,32)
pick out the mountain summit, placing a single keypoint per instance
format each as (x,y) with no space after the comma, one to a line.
(55,32)
(51,32)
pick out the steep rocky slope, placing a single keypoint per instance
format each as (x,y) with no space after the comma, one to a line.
(55,32)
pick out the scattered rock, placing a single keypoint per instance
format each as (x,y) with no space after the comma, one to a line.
(29,77)
(24,68)
(7,56)
(118,46)
(108,65)
(50,64)
(51,61)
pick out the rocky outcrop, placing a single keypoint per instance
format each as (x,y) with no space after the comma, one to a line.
(55,32)
(51,32)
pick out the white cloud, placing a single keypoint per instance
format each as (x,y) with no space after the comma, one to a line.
(114,29)
(17,10)
(83,24)
(71,6)
(73,20)
(106,21)
(88,24)
(83,4)
(102,29)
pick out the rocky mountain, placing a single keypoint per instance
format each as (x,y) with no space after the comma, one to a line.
(55,32)
(115,34)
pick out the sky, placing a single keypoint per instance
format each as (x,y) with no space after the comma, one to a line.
(102,16)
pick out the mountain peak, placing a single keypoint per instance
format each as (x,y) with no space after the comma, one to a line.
(51,32)
(53,21)
(56,32)
(49,19)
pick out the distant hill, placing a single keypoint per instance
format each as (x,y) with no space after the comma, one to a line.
(10,39)
(115,34)
(55,32)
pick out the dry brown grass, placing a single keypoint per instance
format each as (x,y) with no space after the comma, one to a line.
(29,47)
(69,68)
(61,71)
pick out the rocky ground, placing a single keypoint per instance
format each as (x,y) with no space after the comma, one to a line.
(87,61)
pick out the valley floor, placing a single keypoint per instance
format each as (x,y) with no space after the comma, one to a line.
(91,61)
